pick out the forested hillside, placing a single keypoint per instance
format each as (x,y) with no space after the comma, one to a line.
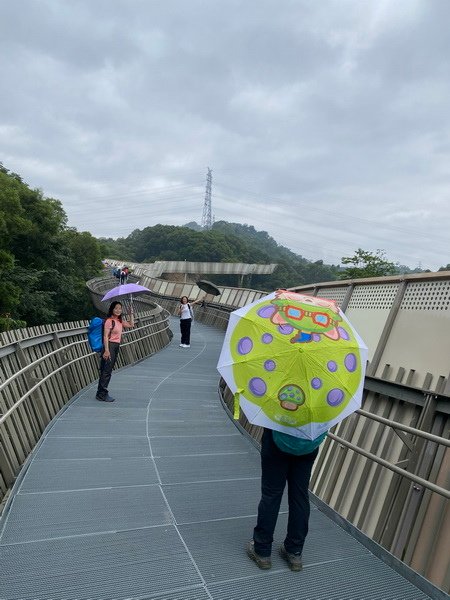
(44,264)
(225,242)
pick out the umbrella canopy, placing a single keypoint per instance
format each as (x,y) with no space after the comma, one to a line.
(208,287)
(125,290)
(294,363)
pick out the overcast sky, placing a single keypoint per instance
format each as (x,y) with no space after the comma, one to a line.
(325,122)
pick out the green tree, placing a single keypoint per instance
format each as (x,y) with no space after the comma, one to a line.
(367,264)
(225,242)
(9,292)
(44,264)
(36,305)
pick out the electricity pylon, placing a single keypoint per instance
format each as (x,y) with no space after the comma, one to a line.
(207,215)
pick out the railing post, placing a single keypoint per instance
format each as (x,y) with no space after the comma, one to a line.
(412,492)
(6,468)
(39,406)
(387,329)
(61,360)
(348,295)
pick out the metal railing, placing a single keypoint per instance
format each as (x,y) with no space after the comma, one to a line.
(256,433)
(385,468)
(352,479)
(40,374)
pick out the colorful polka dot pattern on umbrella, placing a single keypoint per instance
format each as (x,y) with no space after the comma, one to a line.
(294,383)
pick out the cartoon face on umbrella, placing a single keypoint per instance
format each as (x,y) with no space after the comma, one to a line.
(307,315)
(295,363)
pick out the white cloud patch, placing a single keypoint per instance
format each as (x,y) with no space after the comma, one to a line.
(326,123)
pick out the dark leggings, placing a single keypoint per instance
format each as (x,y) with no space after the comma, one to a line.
(106,368)
(278,468)
(185,327)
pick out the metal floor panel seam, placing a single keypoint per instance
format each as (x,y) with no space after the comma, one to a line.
(160,540)
(85,535)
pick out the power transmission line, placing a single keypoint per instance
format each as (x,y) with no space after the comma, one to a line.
(158,203)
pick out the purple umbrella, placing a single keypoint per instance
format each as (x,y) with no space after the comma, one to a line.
(125,290)
(125,294)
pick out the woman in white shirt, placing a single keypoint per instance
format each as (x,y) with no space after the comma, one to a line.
(186,315)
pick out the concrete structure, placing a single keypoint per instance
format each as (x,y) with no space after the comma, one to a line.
(160,267)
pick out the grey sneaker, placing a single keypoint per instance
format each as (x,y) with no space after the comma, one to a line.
(293,560)
(263,562)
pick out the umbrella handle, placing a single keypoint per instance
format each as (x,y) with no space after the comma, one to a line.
(131,308)
(236,405)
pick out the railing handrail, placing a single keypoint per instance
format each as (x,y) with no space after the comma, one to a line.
(415,478)
(423,482)
(65,365)
(34,340)
(144,337)
(33,365)
(395,425)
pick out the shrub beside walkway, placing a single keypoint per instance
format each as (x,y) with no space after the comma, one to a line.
(155,496)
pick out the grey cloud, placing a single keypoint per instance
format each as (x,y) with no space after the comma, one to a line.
(326,123)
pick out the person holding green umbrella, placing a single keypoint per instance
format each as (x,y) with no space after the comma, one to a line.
(296,367)
(278,467)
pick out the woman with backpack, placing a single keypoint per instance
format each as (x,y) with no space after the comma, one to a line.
(186,316)
(112,335)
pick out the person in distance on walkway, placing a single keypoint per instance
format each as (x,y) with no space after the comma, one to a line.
(186,315)
(123,275)
(284,458)
(112,334)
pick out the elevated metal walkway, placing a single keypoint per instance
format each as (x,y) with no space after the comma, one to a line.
(157,268)
(154,497)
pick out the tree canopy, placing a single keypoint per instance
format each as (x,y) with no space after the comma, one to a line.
(225,242)
(44,264)
(367,264)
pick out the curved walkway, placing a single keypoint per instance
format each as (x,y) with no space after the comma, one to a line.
(155,495)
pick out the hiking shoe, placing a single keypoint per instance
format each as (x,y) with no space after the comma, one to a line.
(106,399)
(293,560)
(263,562)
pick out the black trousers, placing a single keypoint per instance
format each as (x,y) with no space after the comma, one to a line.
(106,368)
(185,328)
(278,468)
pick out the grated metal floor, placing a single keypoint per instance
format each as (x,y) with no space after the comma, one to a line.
(154,497)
